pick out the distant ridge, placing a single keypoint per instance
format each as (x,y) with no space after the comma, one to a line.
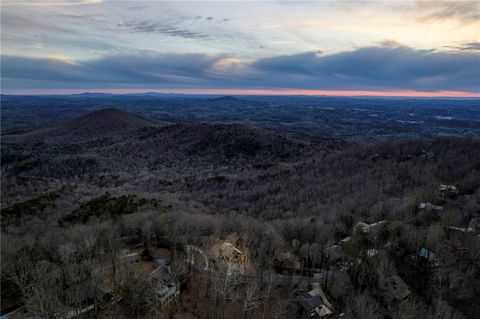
(226,98)
(91,94)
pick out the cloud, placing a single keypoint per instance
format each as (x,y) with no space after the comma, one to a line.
(151,26)
(155,69)
(388,66)
(53,69)
(50,3)
(146,68)
(469,47)
(88,18)
(169,27)
(464,11)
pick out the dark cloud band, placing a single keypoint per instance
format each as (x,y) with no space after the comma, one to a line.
(384,67)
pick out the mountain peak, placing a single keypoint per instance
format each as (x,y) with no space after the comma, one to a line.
(227,98)
(105,120)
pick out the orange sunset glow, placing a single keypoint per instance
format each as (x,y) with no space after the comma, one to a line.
(352,93)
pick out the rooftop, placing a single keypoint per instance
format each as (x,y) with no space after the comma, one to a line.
(396,288)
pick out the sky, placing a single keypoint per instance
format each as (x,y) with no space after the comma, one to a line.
(391,48)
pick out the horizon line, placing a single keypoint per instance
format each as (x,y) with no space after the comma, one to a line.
(252,92)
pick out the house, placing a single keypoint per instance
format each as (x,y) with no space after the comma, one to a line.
(406,157)
(314,304)
(448,190)
(377,227)
(10,300)
(430,208)
(426,155)
(372,252)
(7,312)
(311,305)
(349,245)
(66,312)
(345,241)
(360,228)
(428,211)
(334,254)
(395,290)
(83,298)
(370,231)
(363,228)
(472,228)
(474,225)
(426,254)
(197,257)
(165,284)
(131,258)
(160,262)
(104,296)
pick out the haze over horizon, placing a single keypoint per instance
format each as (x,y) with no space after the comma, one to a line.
(384,48)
